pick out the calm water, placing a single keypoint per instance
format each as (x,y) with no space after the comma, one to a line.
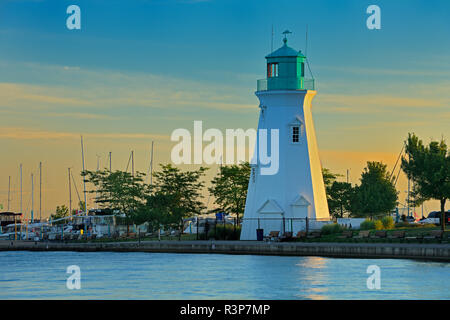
(109,275)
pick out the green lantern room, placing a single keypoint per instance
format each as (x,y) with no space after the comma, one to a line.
(285,70)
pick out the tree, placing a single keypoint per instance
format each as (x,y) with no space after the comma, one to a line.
(230,186)
(61,212)
(339,194)
(429,168)
(174,196)
(118,190)
(376,195)
(329,177)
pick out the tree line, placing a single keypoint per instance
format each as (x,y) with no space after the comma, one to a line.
(175,194)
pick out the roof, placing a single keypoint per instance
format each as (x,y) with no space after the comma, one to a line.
(285,51)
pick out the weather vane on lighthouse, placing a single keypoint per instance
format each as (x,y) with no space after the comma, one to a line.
(285,35)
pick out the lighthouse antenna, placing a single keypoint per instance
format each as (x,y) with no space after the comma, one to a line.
(271,43)
(306,41)
(306,53)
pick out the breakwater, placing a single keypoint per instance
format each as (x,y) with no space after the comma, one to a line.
(438,252)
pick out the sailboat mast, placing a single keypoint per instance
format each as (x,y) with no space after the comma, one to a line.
(9,191)
(151,166)
(70,194)
(132,163)
(40,191)
(32,198)
(84,180)
(20,188)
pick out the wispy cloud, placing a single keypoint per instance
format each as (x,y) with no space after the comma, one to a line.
(19,133)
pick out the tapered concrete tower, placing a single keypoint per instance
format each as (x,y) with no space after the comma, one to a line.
(282,201)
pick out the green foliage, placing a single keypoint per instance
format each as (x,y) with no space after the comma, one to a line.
(414,225)
(429,168)
(175,195)
(118,190)
(61,212)
(388,223)
(229,188)
(378,225)
(332,228)
(339,194)
(339,197)
(225,232)
(367,225)
(376,195)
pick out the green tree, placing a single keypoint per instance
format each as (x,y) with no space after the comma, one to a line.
(230,186)
(118,190)
(61,212)
(339,197)
(376,195)
(429,168)
(339,194)
(329,177)
(175,195)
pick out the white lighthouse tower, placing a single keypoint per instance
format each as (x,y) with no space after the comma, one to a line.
(283,201)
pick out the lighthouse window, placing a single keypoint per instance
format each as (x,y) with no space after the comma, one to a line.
(272,70)
(295,134)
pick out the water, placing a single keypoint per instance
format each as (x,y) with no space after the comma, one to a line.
(113,275)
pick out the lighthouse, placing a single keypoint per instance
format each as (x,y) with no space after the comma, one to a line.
(284,200)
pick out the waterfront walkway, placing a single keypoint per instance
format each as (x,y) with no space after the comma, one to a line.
(438,252)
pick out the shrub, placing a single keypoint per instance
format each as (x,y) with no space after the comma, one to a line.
(332,228)
(378,225)
(388,222)
(402,225)
(367,225)
(224,232)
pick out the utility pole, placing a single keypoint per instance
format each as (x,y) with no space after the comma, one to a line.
(110,161)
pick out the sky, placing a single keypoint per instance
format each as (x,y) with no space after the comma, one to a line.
(139,69)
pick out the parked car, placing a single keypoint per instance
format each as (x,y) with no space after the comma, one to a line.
(410,219)
(434,217)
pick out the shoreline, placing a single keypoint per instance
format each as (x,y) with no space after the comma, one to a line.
(432,252)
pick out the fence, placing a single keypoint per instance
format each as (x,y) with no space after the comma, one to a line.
(294,225)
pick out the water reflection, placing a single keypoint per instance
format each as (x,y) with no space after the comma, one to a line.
(312,278)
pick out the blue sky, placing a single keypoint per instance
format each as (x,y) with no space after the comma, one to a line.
(139,69)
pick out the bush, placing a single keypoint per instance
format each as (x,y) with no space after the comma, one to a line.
(224,232)
(367,225)
(402,225)
(378,225)
(332,228)
(388,222)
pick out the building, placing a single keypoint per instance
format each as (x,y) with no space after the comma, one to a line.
(283,201)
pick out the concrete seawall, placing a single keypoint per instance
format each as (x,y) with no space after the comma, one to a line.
(438,252)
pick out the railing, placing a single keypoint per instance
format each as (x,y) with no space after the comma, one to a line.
(276,83)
